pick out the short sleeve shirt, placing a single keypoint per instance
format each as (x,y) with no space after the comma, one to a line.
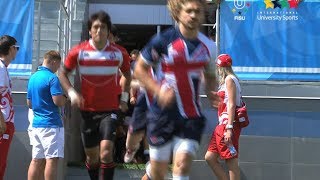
(6,101)
(41,87)
(182,62)
(99,74)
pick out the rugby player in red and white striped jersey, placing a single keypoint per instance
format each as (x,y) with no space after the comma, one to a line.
(98,62)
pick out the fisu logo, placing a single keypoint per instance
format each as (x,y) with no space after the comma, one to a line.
(240,8)
(239,4)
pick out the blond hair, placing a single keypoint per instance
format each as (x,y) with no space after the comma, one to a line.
(175,6)
(223,72)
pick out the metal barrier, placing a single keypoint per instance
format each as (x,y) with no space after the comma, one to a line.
(66,15)
(274,97)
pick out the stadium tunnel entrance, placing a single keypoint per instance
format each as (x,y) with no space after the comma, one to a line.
(136,36)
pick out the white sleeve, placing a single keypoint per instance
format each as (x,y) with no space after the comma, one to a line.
(3,77)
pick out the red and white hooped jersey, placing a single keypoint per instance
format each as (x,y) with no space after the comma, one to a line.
(98,74)
(6,101)
(223,95)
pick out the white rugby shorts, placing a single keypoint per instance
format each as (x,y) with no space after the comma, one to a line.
(47,143)
(177,145)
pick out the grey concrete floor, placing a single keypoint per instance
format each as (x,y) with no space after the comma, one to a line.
(80,173)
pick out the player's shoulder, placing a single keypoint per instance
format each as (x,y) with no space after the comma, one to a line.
(81,46)
(170,34)
(121,48)
(165,37)
(169,31)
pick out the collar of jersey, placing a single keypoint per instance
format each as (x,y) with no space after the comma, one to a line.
(91,44)
(43,68)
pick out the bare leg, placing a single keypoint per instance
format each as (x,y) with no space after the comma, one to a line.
(51,169)
(134,139)
(36,169)
(158,170)
(106,151)
(234,170)
(132,145)
(106,158)
(212,160)
(146,149)
(182,164)
(92,162)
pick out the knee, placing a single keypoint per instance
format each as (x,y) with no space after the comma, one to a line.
(233,164)
(182,167)
(39,163)
(92,160)
(106,156)
(157,170)
(156,174)
(209,157)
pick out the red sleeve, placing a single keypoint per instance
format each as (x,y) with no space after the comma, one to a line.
(71,60)
(125,67)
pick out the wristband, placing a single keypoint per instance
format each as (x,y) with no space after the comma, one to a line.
(72,93)
(229,126)
(124,96)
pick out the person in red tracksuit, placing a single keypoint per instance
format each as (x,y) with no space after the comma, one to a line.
(225,138)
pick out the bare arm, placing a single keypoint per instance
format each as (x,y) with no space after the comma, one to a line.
(125,86)
(231,107)
(64,79)
(165,96)
(141,73)
(75,98)
(133,92)
(59,100)
(126,81)
(29,104)
(3,126)
(211,84)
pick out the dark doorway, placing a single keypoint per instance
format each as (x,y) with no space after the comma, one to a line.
(136,36)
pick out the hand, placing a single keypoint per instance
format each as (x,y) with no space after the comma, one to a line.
(78,101)
(166,97)
(123,106)
(214,99)
(3,127)
(75,98)
(133,100)
(227,136)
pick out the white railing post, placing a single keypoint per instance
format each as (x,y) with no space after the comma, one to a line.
(70,24)
(59,30)
(38,35)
